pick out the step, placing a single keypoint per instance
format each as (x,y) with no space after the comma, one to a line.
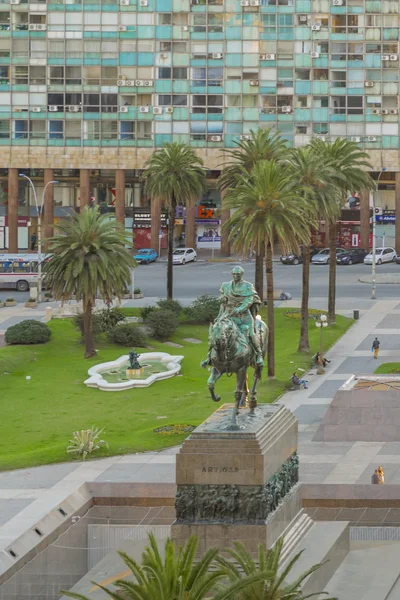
(294,535)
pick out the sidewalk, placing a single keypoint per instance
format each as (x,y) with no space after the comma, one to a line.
(27,495)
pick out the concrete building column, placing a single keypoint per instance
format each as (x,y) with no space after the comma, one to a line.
(13,210)
(155,210)
(84,187)
(137,195)
(120,196)
(48,206)
(397,207)
(190,226)
(364,219)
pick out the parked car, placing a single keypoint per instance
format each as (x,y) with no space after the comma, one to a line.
(381,255)
(295,259)
(356,255)
(181,256)
(322,258)
(146,256)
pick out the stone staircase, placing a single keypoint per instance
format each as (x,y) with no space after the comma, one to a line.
(293,534)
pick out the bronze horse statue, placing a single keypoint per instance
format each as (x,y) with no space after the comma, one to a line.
(231,352)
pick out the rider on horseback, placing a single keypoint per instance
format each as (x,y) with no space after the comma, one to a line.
(240,302)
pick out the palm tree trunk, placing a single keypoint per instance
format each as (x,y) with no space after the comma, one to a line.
(259,274)
(270,311)
(88,329)
(332,273)
(304,344)
(171,228)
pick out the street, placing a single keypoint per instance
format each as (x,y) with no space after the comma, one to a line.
(194,279)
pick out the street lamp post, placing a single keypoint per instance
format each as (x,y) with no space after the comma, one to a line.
(321,323)
(39,210)
(373,295)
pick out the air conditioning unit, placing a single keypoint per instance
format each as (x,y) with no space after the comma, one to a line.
(217,55)
(393,57)
(369,83)
(286,109)
(139,82)
(378,210)
(245,136)
(371,138)
(36,109)
(41,27)
(376,111)
(148,83)
(32,27)
(73,108)
(394,111)
(163,56)
(337,2)
(185,28)
(129,83)
(355,138)
(268,111)
(15,1)
(121,82)
(123,109)
(254,82)
(322,138)
(385,57)
(124,2)
(143,3)
(244,2)
(270,57)
(255,2)
(384,111)
(215,138)
(303,18)
(314,54)
(53,108)
(316,27)
(143,109)
(169,110)
(157,110)
(122,28)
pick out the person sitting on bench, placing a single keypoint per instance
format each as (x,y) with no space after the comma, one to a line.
(299,382)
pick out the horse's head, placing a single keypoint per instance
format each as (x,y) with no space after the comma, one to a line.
(222,332)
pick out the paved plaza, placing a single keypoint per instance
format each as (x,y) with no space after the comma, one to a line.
(27,495)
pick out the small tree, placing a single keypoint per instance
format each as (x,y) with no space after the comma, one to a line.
(174,174)
(89,258)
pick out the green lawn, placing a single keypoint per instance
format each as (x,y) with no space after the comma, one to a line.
(39,414)
(389,368)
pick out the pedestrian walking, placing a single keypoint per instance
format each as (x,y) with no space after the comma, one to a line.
(381,475)
(33,240)
(375,347)
(375,477)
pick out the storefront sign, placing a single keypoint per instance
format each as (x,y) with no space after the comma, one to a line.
(203,212)
(391,218)
(2,221)
(142,218)
(22,221)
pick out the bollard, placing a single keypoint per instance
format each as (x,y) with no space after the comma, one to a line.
(356,315)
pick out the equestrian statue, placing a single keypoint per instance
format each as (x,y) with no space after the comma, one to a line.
(237,339)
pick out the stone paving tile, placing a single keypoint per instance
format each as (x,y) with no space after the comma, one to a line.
(10,508)
(149,473)
(328,388)
(314,472)
(391,321)
(360,365)
(326,448)
(36,477)
(390,448)
(388,342)
(310,413)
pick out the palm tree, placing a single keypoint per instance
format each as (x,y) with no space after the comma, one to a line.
(314,175)
(349,164)
(272,584)
(173,575)
(173,174)
(89,258)
(267,205)
(262,145)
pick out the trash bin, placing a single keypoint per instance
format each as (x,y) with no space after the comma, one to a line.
(356,315)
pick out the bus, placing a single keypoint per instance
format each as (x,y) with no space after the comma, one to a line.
(18,271)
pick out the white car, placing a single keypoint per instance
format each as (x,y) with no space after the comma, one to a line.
(181,256)
(381,255)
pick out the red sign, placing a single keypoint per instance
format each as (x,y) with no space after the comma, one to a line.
(203,212)
(22,221)
(142,238)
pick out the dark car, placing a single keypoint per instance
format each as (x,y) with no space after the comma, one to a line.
(356,255)
(295,259)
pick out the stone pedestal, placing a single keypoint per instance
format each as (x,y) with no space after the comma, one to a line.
(238,484)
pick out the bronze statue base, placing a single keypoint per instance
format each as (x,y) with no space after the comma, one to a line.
(133,372)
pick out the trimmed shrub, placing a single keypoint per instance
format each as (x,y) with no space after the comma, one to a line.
(28,332)
(162,323)
(203,310)
(145,311)
(172,305)
(127,334)
(102,320)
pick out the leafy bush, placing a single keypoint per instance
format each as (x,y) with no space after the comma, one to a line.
(28,332)
(172,305)
(10,299)
(127,334)
(86,441)
(203,310)
(32,300)
(162,323)
(102,320)
(145,311)
(137,291)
